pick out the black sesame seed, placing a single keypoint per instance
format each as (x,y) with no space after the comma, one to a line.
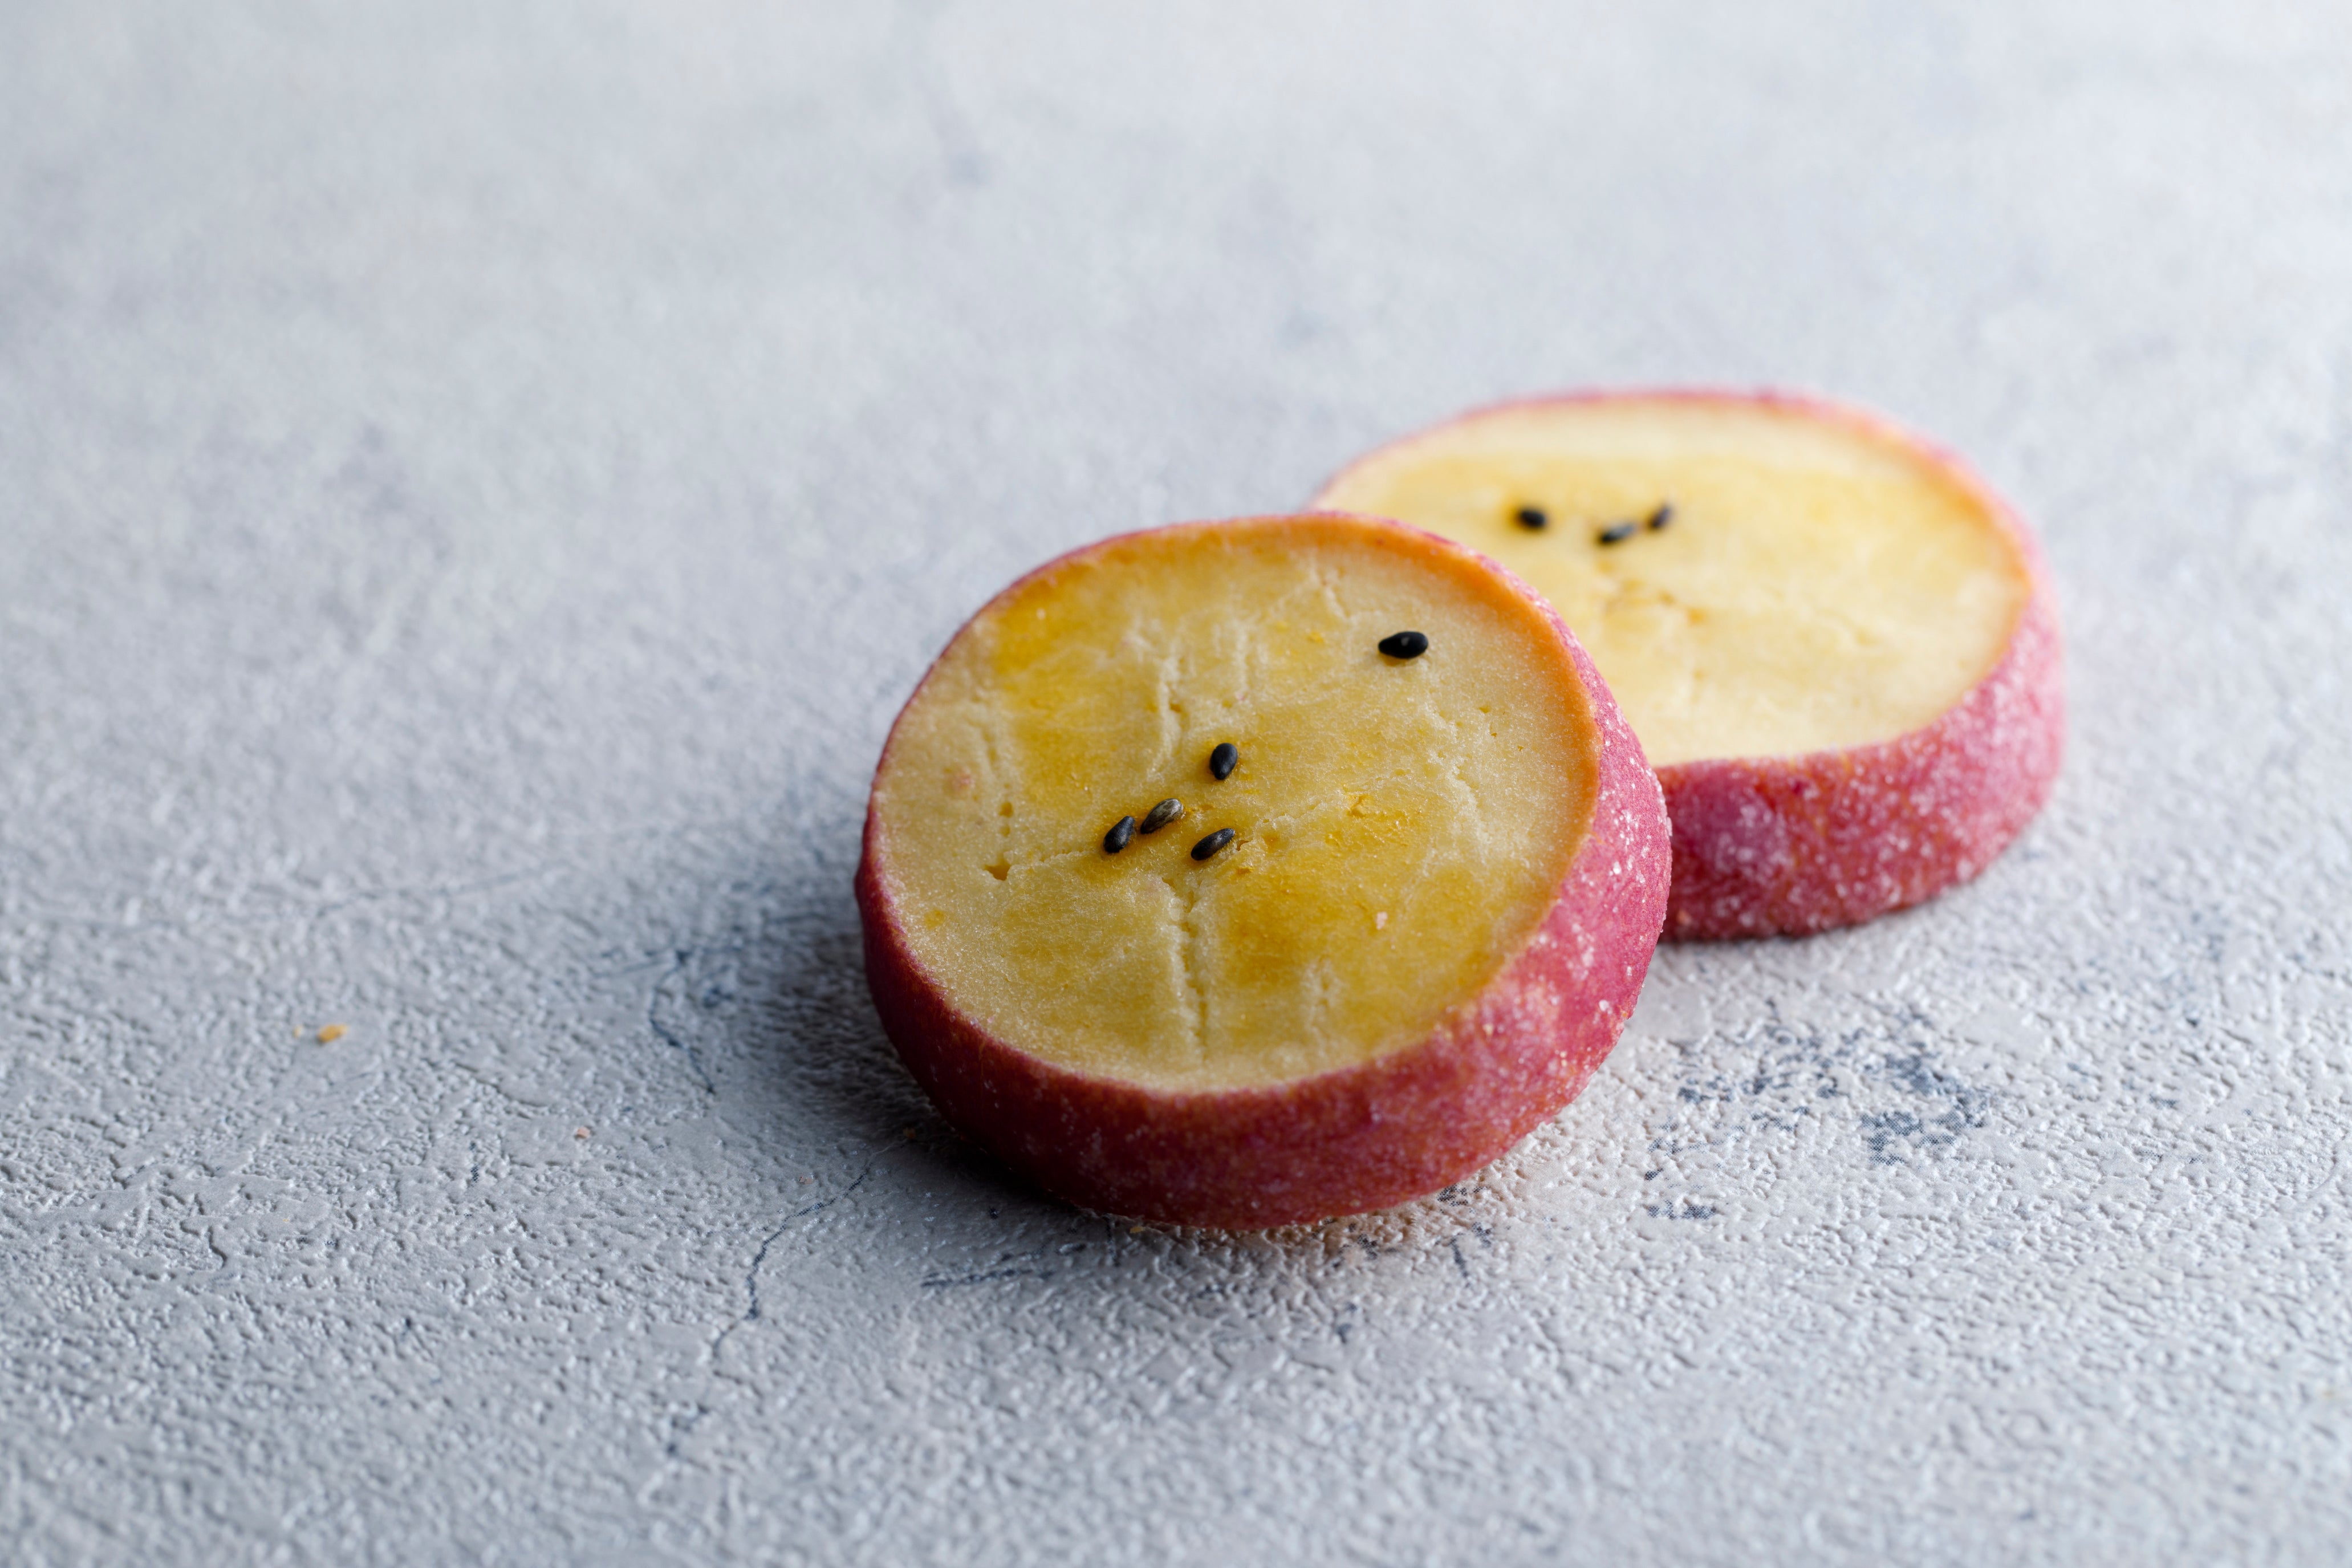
(1405,645)
(1660,518)
(1618,532)
(1120,832)
(1160,815)
(1212,843)
(1531,517)
(1224,760)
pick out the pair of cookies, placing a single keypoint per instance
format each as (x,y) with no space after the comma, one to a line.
(1252,872)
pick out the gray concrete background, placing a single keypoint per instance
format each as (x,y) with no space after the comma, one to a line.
(477,481)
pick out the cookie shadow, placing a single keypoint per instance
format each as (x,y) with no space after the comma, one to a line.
(805,1049)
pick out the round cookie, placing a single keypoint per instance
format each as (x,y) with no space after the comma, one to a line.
(1396,925)
(1839,647)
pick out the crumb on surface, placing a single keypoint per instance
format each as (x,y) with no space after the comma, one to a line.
(331,1032)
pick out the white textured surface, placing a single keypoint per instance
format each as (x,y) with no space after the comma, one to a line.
(476,482)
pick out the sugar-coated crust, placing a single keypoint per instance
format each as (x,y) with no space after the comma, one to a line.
(1788,846)
(1339,1142)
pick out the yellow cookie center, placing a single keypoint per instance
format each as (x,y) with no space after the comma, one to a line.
(1815,586)
(1400,826)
